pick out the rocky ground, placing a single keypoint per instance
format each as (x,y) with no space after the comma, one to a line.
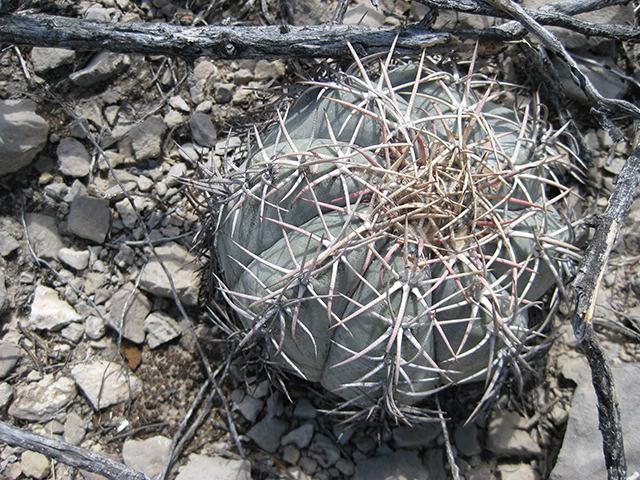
(75,253)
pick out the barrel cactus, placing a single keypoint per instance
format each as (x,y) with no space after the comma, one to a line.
(390,235)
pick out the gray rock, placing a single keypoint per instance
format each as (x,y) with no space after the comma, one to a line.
(89,218)
(175,172)
(94,328)
(73,332)
(223,92)
(4,296)
(23,133)
(582,447)
(204,70)
(519,471)
(45,59)
(466,438)
(147,456)
(160,328)
(73,158)
(102,66)
(415,436)
(398,465)
(105,383)
(41,400)
(249,407)
(202,129)
(506,437)
(183,268)
(73,258)
(97,14)
(56,191)
(290,454)
(44,236)
(138,307)
(34,465)
(10,353)
(50,313)
(268,432)
(301,436)
(74,428)
(8,244)
(363,15)
(179,103)
(304,410)
(127,213)
(6,392)
(201,467)
(324,451)
(146,138)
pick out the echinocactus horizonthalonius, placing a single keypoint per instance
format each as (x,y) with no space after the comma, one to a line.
(390,235)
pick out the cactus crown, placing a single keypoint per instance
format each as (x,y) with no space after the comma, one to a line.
(389,236)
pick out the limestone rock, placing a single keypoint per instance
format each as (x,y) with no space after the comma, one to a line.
(183,268)
(41,400)
(73,258)
(106,383)
(138,307)
(50,313)
(34,465)
(202,129)
(10,353)
(506,438)
(23,134)
(147,456)
(268,432)
(201,467)
(44,236)
(401,464)
(45,59)
(73,158)
(146,138)
(160,328)
(102,66)
(89,218)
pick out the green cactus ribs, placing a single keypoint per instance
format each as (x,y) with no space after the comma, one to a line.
(389,236)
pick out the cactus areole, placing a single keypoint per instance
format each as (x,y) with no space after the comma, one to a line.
(390,236)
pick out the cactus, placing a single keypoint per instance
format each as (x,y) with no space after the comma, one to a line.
(391,234)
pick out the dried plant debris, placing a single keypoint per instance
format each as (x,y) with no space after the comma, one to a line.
(393,232)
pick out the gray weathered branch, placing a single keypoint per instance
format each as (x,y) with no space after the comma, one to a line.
(68,454)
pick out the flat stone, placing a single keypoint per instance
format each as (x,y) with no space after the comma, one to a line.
(105,383)
(520,471)
(182,266)
(6,393)
(147,456)
(94,327)
(146,138)
(466,438)
(38,401)
(8,244)
(506,437)
(160,328)
(266,70)
(324,451)
(73,258)
(89,218)
(73,158)
(249,407)
(179,103)
(5,302)
(415,436)
(10,353)
(304,410)
(202,129)
(398,465)
(45,59)
(75,428)
(268,432)
(204,70)
(301,436)
(102,66)
(50,313)
(582,446)
(138,307)
(176,171)
(73,332)
(34,465)
(44,236)
(24,134)
(364,15)
(201,467)
(290,454)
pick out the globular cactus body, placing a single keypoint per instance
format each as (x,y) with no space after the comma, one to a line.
(389,236)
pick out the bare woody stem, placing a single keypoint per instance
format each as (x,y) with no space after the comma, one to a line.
(68,454)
